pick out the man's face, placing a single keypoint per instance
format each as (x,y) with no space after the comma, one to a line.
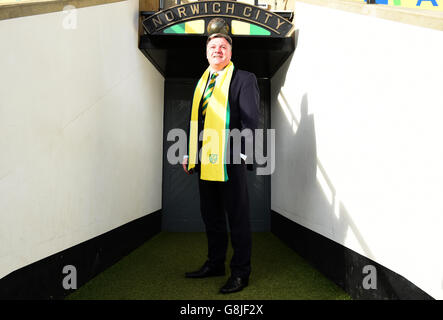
(218,52)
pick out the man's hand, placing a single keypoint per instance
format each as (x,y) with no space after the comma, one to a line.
(185,165)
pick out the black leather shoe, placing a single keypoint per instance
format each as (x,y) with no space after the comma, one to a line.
(234,284)
(205,272)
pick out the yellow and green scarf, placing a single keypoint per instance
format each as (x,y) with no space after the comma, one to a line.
(216,127)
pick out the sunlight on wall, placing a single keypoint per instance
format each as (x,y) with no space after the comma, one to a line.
(362,166)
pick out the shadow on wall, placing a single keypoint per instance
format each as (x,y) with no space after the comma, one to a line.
(310,198)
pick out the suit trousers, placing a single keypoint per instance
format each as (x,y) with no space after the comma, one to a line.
(221,199)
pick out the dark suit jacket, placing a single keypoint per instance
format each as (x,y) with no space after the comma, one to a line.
(244,102)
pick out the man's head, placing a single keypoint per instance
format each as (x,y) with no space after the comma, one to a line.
(218,50)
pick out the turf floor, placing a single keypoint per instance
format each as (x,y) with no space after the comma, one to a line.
(155,271)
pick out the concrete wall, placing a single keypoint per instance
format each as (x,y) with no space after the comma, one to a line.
(81,120)
(358,121)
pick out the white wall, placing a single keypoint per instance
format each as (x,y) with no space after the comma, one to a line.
(358,122)
(81,120)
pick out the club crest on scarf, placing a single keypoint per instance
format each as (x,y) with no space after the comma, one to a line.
(213,158)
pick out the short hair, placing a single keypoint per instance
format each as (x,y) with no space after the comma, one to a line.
(219,35)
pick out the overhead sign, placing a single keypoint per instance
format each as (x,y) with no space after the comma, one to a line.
(228,10)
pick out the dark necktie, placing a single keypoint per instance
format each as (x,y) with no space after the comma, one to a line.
(208,93)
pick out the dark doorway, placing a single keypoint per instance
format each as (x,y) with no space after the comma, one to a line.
(180,203)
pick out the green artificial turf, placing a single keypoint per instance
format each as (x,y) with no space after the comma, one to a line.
(156,270)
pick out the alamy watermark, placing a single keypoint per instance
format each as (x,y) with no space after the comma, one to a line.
(70,17)
(70,280)
(247,142)
(370,280)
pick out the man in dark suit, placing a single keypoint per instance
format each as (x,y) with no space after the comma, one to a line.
(231,195)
